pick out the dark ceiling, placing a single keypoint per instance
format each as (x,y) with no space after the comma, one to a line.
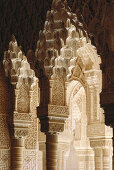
(25,18)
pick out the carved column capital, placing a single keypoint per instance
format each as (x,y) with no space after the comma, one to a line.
(18,123)
(52,118)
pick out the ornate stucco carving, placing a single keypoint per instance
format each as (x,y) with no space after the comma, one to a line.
(52,118)
(67,66)
(23,79)
(98,16)
(63,61)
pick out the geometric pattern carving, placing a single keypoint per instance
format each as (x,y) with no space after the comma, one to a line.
(4,159)
(30,160)
(23,99)
(23,80)
(4,133)
(58,92)
(31,139)
(101,143)
(98,130)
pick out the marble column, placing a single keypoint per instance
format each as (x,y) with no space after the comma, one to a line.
(51,151)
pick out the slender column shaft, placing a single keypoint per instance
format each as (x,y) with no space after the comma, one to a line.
(17,154)
(98,106)
(107,159)
(51,151)
(60,165)
(98,159)
(91,95)
(16,97)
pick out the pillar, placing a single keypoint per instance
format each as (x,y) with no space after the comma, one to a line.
(52,119)
(91,100)
(20,117)
(60,159)
(107,157)
(103,153)
(98,158)
(17,148)
(51,151)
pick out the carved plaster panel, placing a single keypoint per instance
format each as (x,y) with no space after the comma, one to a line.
(32,137)
(23,102)
(4,133)
(4,159)
(58,92)
(30,159)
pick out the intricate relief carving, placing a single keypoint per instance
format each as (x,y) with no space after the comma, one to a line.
(52,127)
(30,159)
(58,47)
(20,68)
(98,16)
(35,98)
(23,102)
(22,117)
(101,143)
(53,110)
(63,50)
(20,133)
(58,92)
(23,80)
(4,159)
(50,121)
(96,130)
(4,133)
(31,139)
(58,110)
